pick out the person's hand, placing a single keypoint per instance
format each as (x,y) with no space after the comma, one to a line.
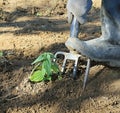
(78,9)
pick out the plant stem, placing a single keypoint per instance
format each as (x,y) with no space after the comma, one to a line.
(34,68)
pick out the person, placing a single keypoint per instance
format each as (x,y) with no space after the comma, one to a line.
(105,48)
(78,9)
(77,14)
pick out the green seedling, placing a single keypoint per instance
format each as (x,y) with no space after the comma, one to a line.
(1,54)
(44,68)
(2,58)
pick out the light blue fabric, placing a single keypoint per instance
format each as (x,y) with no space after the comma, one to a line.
(78,9)
(106,48)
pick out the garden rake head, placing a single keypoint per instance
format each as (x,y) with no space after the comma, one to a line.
(74,57)
(69,56)
(74,31)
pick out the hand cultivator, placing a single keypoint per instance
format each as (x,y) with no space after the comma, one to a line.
(74,30)
(75,58)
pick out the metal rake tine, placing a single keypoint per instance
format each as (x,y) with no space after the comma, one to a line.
(58,53)
(74,57)
(86,73)
(64,62)
(63,65)
(75,67)
(69,56)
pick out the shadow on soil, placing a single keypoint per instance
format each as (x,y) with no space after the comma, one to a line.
(33,26)
(66,93)
(37,24)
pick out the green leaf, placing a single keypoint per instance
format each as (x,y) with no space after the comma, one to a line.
(39,67)
(1,54)
(48,57)
(47,66)
(39,59)
(37,76)
(45,56)
(48,78)
(44,68)
(51,56)
(55,67)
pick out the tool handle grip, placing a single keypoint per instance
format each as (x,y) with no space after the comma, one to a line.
(74,28)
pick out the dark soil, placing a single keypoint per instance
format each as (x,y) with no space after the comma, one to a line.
(27,30)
